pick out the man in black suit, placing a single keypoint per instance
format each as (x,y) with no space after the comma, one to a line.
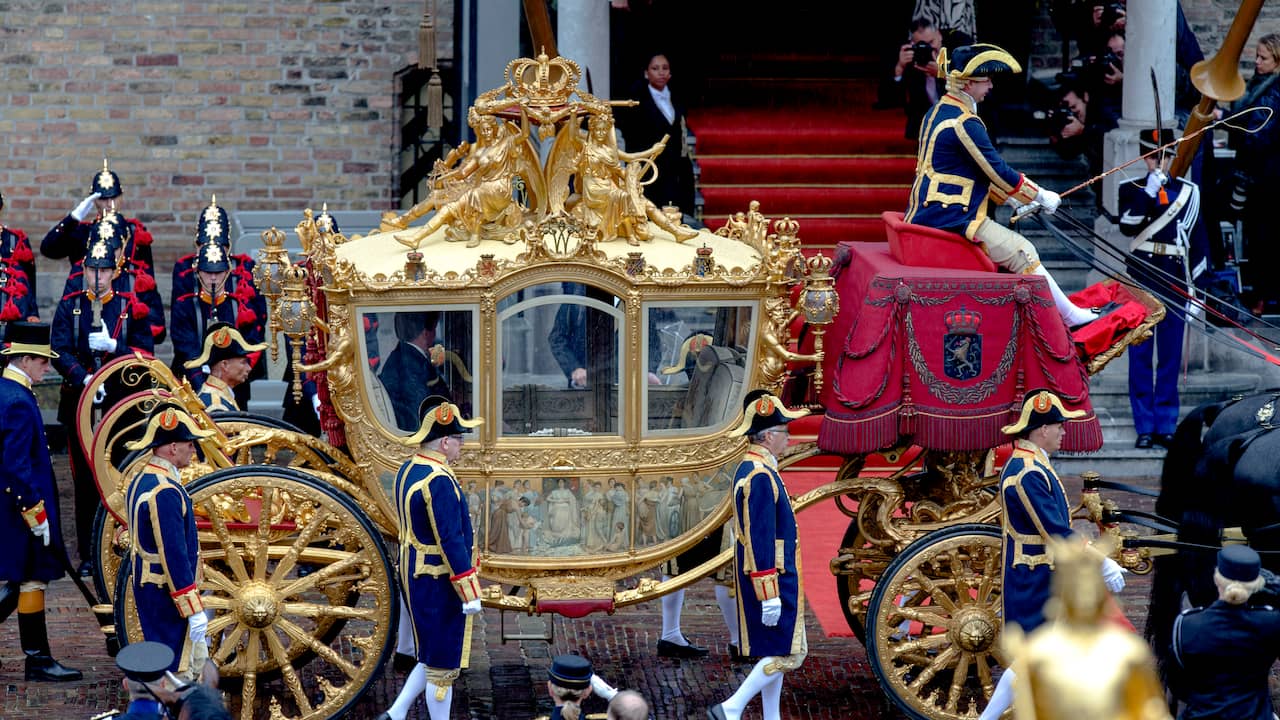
(661,113)
(408,375)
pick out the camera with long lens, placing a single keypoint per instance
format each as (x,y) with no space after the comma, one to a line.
(921,53)
(1111,12)
(1095,67)
(1055,120)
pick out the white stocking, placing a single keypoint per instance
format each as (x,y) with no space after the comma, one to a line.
(729,610)
(438,709)
(413,687)
(404,637)
(1071,313)
(756,682)
(771,698)
(672,604)
(1001,698)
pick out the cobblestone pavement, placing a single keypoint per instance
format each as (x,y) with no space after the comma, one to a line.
(507,680)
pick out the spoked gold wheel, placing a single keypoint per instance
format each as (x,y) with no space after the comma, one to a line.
(302,589)
(933,626)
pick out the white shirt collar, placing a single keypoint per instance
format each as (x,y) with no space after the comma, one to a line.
(662,98)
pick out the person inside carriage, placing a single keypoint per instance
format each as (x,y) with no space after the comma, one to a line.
(214,285)
(98,319)
(960,173)
(229,358)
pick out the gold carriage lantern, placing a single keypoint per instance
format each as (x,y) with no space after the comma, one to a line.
(295,313)
(819,303)
(266,274)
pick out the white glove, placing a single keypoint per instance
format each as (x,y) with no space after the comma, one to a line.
(1049,200)
(88,379)
(42,531)
(102,342)
(1155,181)
(100,394)
(1112,575)
(471,607)
(85,208)
(197,626)
(771,612)
(315,404)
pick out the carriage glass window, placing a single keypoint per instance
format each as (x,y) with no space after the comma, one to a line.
(561,368)
(697,358)
(412,352)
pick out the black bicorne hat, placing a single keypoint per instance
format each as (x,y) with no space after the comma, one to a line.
(1239,563)
(1040,408)
(572,672)
(221,342)
(144,661)
(168,422)
(211,256)
(979,60)
(440,418)
(106,237)
(106,183)
(761,410)
(1151,138)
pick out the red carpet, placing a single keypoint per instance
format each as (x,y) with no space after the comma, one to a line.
(833,170)
(821,528)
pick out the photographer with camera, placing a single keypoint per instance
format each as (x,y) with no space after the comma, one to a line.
(1101,75)
(1074,128)
(915,86)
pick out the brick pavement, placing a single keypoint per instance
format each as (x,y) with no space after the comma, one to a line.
(506,680)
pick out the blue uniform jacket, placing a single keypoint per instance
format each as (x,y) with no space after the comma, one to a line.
(767,539)
(241,305)
(436,545)
(1226,652)
(28,480)
(1035,507)
(958,171)
(15,249)
(217,396)
(124,316)
(164,555)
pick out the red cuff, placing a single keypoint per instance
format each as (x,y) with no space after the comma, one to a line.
(765,583)
(467,584)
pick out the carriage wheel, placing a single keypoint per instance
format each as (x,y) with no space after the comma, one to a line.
(303,592)
(933,626)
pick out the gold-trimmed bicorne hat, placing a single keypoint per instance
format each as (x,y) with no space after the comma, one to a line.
(761,411)
(221,342)
(974,61)
(440,418)
(168,422)
(1040,408)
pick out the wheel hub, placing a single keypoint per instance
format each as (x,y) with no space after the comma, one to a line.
(256,605)
(974,629)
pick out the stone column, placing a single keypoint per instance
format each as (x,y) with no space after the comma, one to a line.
(1149,43)
(582,33)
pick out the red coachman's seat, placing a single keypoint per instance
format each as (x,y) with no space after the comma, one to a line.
(922,246)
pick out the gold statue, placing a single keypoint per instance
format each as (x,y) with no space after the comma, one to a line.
(1080,665)
(610,182)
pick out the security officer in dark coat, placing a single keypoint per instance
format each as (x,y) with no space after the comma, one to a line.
(18,288)
(766,561)
(71,237)
(97,320)
(661,113)
(438,572)
(1162,215)
(226,353)
(221,290)
(1035,509)
(145,665)
(30,532)
(164,549)
(1225,651)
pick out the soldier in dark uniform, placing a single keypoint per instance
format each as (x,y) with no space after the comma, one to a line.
(1162,215)
(221,289)
(145,665)
(226,353)
(30,532)
(98,319)
(959,172)
(438,573)
(18,288)
(766,561)
(1225,651)
(164,548)
(1035,510)
(70,238)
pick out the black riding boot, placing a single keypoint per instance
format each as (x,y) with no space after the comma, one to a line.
(35,645)
(9,599)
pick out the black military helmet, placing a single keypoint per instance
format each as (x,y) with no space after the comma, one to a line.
(106,183)
(213,225)
(211,256)
(106,237)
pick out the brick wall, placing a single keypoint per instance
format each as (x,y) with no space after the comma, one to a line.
(270,104)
